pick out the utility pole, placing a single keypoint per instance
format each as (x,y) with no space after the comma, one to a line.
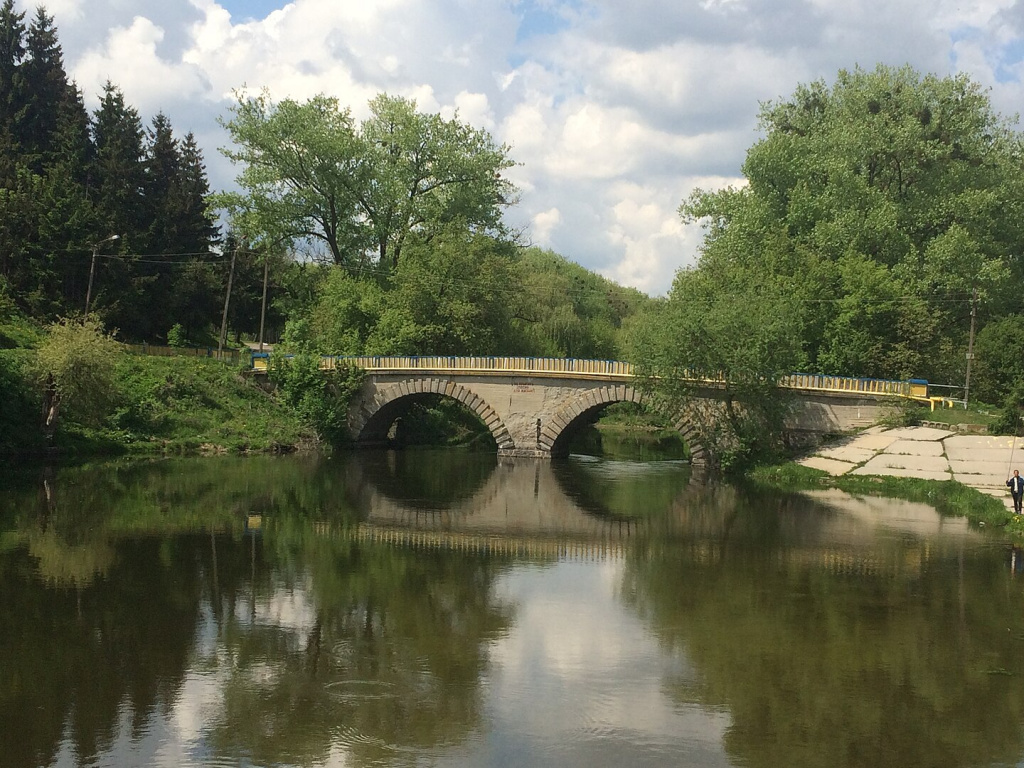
(227,299)
(970,346)
(263,306)
(92,268)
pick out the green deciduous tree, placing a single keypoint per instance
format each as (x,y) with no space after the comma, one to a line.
(998,360)
(902,194)
(728,334)
(345,314)
(450,295)
(569,311)
(75,368)
(320,398)
(310,174)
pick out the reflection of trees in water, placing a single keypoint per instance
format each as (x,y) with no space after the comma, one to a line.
(390,660)
(823,668)
(80,658)
(621,489)
(390,657)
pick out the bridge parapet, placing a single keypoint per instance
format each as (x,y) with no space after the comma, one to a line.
(609,370)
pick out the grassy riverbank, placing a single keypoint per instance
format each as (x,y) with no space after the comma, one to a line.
(161,405)
(947,496)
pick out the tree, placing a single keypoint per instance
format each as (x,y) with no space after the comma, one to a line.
(12,50)
(46,93)
(119,169)
(999,364)
(900,194)
(568,311)
(450,295)
(728,333)
(75,368)
(311,175)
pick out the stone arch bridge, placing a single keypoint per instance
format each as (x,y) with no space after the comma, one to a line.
(532,405)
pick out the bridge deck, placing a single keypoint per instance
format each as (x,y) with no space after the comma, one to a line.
(604,370)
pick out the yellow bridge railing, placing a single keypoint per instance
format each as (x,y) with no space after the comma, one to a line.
(612,370)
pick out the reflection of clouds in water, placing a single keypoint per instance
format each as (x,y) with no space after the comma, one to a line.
(287,607)
(196,710)
(579,675)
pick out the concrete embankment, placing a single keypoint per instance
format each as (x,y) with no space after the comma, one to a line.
(983,462)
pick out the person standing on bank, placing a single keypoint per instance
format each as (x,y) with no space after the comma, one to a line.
(1016,484)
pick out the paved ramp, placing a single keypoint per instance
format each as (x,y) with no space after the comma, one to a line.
(979,461)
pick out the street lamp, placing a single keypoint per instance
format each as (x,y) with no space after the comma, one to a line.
(92,268)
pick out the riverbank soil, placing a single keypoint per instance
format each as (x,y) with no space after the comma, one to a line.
(983,462)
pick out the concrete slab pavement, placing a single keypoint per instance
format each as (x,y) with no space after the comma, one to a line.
(900,472)
(848,453)
(918,433)
(833,467)
(906,461)
(916,447)
(979,461)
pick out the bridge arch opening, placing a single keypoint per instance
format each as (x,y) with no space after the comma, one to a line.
(559,435)
(623,430)
(429,412)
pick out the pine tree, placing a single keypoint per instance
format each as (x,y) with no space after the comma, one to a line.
(118,197)
(45,94)
(12,51)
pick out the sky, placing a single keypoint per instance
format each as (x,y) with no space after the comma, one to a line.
(614,111)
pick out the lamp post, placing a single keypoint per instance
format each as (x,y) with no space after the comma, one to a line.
(92,268)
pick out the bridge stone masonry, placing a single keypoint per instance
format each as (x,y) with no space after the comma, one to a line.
(532,406)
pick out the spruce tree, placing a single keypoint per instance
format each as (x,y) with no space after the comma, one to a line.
(12,51)
(197,286)
(45,93)
(118,197)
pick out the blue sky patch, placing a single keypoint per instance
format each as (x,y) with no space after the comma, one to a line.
(245,10)
(1009,56)
(542,18)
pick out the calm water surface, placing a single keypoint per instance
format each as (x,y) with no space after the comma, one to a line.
(448,609)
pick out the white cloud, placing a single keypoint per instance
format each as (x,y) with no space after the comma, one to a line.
(129,59)
(544,223)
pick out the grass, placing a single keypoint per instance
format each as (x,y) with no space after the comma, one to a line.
(161,406)
(980,414)
(186,405)
(947,496)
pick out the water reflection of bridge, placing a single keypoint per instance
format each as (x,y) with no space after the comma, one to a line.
(586,511)
(835,560)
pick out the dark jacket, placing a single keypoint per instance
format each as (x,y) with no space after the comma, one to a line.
(1016,485)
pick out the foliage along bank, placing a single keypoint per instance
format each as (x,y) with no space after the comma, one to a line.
(881,213)
(76,392)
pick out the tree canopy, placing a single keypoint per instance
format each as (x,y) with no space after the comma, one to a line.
(875,209)
(311,174)
(884,201)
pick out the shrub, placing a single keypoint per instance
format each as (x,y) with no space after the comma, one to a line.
(320,398)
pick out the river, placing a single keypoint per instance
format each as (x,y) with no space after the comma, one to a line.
(448,608)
